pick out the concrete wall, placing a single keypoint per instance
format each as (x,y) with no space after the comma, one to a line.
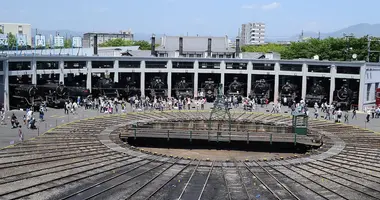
(1,89)
(372,81)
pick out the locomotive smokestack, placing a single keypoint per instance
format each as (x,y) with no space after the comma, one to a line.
(209,47)
(95,44)
(237,48)
(153,45)
(180,46)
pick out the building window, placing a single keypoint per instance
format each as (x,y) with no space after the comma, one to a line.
(214,55)
(220,56)
(20,31)
(191,55)
(368,91)
(199,55)
(376,85)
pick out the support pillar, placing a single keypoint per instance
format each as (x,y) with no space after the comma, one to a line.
(304,81)
(276,82)
(89,76)
(249,78)
(196,71)
(61,67)
(362,88)
(222,75)
(332,83)
(6,85)
(169,79)
(116,74)
(142,79)
(34,72)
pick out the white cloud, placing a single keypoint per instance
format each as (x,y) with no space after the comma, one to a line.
(252,6)
(270,6)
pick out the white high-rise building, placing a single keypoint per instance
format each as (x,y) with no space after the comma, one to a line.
(252,33)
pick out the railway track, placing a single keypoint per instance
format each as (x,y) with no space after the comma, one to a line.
(80,161)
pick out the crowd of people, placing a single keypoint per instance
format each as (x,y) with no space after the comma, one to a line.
(137,104)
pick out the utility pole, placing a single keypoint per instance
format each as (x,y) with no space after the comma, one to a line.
(369,51)
(348,48)
(301,37)
(319,35)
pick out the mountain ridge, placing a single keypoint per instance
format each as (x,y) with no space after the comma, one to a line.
(358,30)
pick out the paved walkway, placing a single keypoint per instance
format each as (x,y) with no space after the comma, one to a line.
(54,117)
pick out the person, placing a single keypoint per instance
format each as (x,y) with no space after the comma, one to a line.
(24,118)
(2,118)
(354,114)
(316,114)
(42,114)
(346,117)
(14,121)
(368,114)
(20,134)
(32,123)
(339,115)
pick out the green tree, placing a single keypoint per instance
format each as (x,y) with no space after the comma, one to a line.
(144,45)
(12,41)
(264,48)
(1,31)
(118,42)
(67,43)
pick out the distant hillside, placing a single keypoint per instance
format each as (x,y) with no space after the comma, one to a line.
(63,33)
(68,33)
(358,30)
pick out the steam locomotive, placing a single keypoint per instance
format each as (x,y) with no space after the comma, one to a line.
(23,96)
(343,97)
(289,91)
(55,94)
(130,88)
(183,89)
(317,95)
(235,88)
(209,90)
(105,87)
(157,88)
(261,90)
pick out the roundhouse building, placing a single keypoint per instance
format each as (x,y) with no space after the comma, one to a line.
(366,76)
(309,79)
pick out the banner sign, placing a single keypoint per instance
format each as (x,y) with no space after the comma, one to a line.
(21,40)
(59,41)
(77,42)
(3,40)
(40,41)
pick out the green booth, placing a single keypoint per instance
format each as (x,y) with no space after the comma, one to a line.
(300,123)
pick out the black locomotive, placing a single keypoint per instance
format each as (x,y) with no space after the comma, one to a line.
(23,96)
(235,88)
(288,91)
(183,89)
(105,87)
(317,94)
(343,97)
(261,90)
(209,89)
(56,94)
(157,88)
(130,88)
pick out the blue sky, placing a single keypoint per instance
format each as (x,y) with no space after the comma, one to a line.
(203,17)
